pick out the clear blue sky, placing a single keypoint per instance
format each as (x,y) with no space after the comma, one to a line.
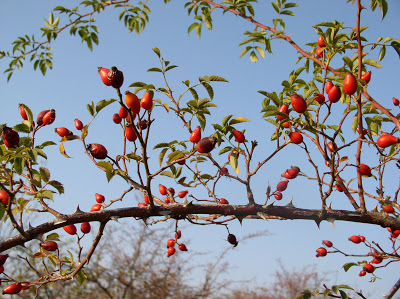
(74,82)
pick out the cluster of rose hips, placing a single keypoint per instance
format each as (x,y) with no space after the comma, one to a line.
(166,191)
(289,174)
(357,239)
(15,287)
(171,244)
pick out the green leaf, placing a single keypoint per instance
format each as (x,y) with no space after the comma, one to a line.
(234,162)
(108,168)
(226,119)
(372,62)
(253,56)
(133,156)
(2,211)
(209,89)
(103,103)
(53,237)
(217,78)
(238,120)
(44,194)
(62,150)
(161,145)
(347,266)
(343,295)
(22,128)
(90,108)
(154,69)
(138,84)
(174,156)
(354,124)
(18,165)
(157,51)
(161,156)
(81,276)
(44,174)
(396,46)
(167,173)
(57,185)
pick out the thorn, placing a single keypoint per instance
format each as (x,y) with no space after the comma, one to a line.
(240,218)
(375,209)
(331,221)
(290,204)
(329,207)
(317,222)
(165,213)
(30,226)
(269,205)
(145,221)
(262,215)
(58,221)
(77,211)
(115,218)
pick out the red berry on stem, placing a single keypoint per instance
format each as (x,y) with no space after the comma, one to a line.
(85,227)
(196,135)
(116,118)
(49,245)
(278,196)
(396,102)
(239,136)
(182,194)
(71,229)
(298,103)
(328,86)
(355,239)
(350,84)
(49,117)
(133,102)
(284,109)
(13,288)
(206,145)
(147,101)
(122,112)
(171,251)
(369,268)
(327,243)
(296,137)
(3,258)
(10,137)
(99,198)
(321,41)
(130,133)
(321,251)
(96,207)
(103,72)
(23,112)
(319,52)
(115,77)
(172,191)
(62,131)
(146,199)
(178,234)
(281,186)
(223,171)
(334,94)
(364,169)
(171,243)
(320,98)
(232,240)
(162,189)
(388,208)
(182,247)
(362,273)
(366,77)
(386,140)
(223,201)
(97,150)
(4,197)
(39,119)
(78,124)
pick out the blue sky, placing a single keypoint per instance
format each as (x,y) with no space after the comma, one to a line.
(74,82)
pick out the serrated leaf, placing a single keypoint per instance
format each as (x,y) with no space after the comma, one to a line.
(44,194)
(138,84)
(209,89)
(39,255)
(238,120)
(133,156)
(253,56)
(44,174)
(57,185)
(225,150)
(174,156)
(18,165)
(226,119)
(234,162)
(372,62)
(217,78)
(354,124)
